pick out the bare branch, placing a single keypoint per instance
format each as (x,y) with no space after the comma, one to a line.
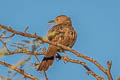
(20,33)
(89,71)
(62,46)
(109,64)
(23,51)
(95,75)
(21,71)
(45,75)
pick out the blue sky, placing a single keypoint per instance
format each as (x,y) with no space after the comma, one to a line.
(97,23)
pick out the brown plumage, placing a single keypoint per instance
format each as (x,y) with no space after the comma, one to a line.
(62,33)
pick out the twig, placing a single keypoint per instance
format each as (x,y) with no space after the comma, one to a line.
(45,75)
(23,51)
(37,59)
(5,46)
(21,33)
(39,64)
(109,64)
(95,75)
(7,36)
(21,71)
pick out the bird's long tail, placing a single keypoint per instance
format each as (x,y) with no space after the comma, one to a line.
(48,59)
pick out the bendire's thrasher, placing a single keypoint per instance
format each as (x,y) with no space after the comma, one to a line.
(62,33)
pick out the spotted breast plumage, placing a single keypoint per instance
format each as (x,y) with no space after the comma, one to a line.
(62,33)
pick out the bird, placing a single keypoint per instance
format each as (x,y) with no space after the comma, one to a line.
(62,33)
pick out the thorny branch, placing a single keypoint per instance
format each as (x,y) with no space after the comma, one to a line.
(25,34)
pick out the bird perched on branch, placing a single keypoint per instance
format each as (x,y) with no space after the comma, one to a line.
(62,33)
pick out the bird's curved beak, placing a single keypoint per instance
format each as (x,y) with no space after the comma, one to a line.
(52,21)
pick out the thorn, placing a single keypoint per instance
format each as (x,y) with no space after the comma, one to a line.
(35,34)
(109,62)
(26,29)
(9,27)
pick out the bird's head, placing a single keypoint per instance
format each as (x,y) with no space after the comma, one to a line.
(61,19)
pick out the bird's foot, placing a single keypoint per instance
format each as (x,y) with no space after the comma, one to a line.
(58,57)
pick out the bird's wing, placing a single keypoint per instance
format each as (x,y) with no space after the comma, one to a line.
(63,34)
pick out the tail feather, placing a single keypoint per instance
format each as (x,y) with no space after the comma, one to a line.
(48,59)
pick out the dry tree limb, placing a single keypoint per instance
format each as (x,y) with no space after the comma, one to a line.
(108,73)
(21,33)
(89,71)
(21,71)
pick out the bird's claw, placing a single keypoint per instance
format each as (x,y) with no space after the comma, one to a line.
(58,57)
